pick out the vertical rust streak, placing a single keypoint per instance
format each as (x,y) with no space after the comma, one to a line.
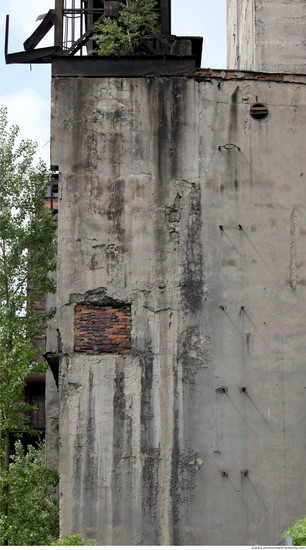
(58,30)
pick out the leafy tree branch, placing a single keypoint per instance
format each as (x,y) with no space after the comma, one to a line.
(137,22)
(27,256)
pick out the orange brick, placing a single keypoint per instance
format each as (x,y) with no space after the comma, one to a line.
(102,329)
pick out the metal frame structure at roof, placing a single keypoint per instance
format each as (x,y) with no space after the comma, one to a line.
(74,22)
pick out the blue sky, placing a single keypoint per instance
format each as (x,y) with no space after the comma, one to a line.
(26,90)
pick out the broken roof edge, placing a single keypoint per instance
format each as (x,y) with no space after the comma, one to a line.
(203,74)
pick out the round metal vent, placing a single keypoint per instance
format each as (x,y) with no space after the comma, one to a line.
(259,111)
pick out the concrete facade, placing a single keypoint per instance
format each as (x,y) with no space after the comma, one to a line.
(197,436)
(267,35)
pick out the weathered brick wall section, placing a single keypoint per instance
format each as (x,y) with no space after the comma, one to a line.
(102,329)
(36,397)
(51,203)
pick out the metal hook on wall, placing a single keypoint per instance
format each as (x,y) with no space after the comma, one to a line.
(228,146)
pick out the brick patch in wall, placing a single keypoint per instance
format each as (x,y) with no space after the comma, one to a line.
(102,329)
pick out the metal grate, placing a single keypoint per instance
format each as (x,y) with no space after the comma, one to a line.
(259,111)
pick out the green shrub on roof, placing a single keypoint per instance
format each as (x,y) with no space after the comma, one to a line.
(125,35)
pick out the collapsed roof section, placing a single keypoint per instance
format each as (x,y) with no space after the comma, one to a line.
(74,23)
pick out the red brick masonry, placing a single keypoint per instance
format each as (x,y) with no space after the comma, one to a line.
(102,329)
(207,74)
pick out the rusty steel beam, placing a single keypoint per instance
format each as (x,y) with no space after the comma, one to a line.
(40,55)
(7,26)
(111,8)
(126,66)
(165,17)
(41,31)
(58,31)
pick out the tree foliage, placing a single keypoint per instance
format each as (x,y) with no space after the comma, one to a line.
(27,256)
(73,539)
(137,22)
(297,532)
(32,499)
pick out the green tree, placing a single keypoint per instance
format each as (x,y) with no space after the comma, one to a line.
(73,539)
(297,532)
(125,35)
(32,499)
(27,256)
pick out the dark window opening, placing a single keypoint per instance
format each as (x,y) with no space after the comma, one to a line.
(35,396)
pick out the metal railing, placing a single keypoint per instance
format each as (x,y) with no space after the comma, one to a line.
(77,20)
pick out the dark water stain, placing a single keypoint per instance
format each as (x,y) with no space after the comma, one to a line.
(114,150)
(232,155)
(150,454)
(170,132)
(119,404)
(176,126)
(150,497)
(77,476)
(115,209)
(185,466)
(234,106)
(162,142)
(91,470)
(175,474)
(193,282)
(146,411)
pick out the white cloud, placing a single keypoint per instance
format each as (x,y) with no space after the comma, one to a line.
(30,111)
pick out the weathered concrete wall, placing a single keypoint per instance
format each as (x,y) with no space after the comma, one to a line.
(52,401)
(267,35)
(241,34)
(208,246)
